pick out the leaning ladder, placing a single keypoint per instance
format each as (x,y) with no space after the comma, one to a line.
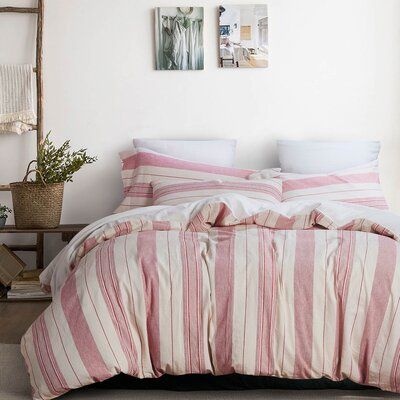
(39,11)
(38,69)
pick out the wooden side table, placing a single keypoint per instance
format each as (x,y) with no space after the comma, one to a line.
(67,233)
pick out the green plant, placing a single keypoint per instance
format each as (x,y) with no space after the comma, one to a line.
(4,211)
(58,164)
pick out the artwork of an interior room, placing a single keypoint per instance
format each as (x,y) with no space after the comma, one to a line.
(243,36)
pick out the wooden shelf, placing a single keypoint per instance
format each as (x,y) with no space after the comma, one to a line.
(71,228)
(22,247)
(4,299)
(5,188)
(67,233)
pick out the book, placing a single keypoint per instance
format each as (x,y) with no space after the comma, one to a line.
(31,273)
(28,294)
(27,286)
(20,282)
(27,289)
(10,265)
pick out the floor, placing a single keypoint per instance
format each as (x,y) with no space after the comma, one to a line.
(15,318)
(255,62)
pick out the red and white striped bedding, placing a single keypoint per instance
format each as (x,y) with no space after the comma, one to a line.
(294,291)
(141,166)
(173,193)
(359,185)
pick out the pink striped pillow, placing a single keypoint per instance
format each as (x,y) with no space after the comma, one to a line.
(173,193)
(358,185)
(141,167)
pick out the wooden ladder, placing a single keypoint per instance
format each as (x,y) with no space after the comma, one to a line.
(39,11)
(38,69)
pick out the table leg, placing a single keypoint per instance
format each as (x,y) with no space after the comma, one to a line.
(39,250)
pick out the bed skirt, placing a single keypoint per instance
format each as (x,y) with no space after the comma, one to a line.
(227,382)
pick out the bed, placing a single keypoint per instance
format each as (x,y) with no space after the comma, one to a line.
(234,53)
(224,285)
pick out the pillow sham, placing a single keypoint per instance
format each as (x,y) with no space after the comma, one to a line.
(319,157)
(141,166)
(359,185)
(214,152)
(173,193)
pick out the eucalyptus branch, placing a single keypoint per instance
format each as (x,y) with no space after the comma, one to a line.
(4,211)
(58,165)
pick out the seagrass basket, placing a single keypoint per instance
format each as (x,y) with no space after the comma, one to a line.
(37,205)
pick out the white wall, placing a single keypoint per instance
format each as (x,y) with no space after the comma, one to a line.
(231,16)
(334,74)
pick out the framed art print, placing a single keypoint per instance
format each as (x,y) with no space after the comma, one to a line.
(243,41)
(179,38)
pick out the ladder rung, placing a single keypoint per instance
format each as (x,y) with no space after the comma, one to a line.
(5,188)
(22,247)
(24,10)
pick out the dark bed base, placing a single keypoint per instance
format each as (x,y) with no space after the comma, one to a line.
(228,382)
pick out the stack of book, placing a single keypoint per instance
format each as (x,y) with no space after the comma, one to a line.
(24,284)
(27,286)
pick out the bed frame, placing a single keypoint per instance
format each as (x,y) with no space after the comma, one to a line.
(227,382)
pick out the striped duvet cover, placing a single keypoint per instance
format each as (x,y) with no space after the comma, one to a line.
(222,286)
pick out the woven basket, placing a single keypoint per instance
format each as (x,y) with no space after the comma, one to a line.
(37,205)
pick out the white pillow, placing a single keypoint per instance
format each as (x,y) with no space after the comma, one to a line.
(318,157)
(214,152)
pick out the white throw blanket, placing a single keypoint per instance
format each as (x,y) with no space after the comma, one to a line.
(17,112)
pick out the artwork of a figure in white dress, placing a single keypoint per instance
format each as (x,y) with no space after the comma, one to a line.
(179,38)
(243,31)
